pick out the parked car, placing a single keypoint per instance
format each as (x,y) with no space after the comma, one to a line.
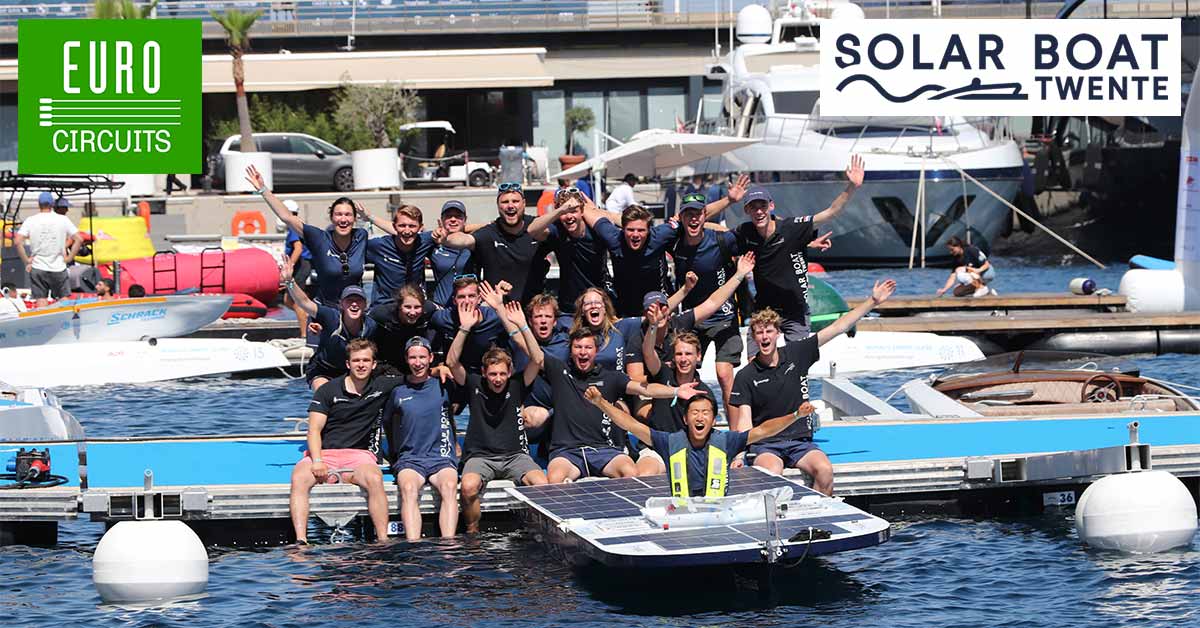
(298,161)
(427,156)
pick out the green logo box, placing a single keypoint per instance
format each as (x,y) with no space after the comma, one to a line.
(109,96)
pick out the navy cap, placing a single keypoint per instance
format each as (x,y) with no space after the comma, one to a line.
(452,204)
(757,193)
(690,205)
(417,341)
(62,202)
(353,291)
(652,298)
(45,198)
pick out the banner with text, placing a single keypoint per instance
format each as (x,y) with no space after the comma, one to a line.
(1001,67)
(112,96)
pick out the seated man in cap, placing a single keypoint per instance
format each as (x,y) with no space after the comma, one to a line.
(343,438)
(53,242)
(338,327)
(422,444)
(699,456)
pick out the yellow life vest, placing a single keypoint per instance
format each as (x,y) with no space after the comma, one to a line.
(718,464)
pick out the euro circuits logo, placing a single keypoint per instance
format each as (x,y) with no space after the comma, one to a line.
(108,96)
(1081,67)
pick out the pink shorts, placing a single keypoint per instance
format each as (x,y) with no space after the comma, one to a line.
(347,459)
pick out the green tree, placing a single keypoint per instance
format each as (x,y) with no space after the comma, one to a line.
(237,26)
(579,119)
(374,113)
(123,10)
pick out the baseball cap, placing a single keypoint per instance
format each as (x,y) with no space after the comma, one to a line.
(292,206)
(353,291)
(45,198)
(757,193)
(692,205)
(453,205)
(62,202)
(417,341)
(652,298)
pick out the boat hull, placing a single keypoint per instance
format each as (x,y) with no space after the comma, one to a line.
(112,321)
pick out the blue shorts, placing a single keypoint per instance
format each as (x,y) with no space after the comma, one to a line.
(589,460)
(789,451)
(426,467)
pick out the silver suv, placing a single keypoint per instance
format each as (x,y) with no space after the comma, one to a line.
(298,161)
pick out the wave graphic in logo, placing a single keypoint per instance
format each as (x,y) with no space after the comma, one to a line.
(975,90)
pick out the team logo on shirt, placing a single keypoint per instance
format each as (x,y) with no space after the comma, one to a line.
(791,367)
(761,381)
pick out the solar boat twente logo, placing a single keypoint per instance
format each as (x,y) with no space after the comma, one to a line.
(109,96)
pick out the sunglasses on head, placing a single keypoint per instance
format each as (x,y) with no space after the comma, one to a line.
(468,276)
(509,187)
(694,198)
(560,192)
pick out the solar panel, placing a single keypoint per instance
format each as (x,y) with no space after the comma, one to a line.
(625,497)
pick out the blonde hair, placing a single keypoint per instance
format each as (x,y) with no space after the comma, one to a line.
(409,211)
(604,330)
(765,316)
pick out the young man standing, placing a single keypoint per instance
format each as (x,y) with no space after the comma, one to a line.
(582,255)
(342,438)
(399,257)
(638,252)
(496,446)
(583,442)
(448,263)
(422,442)
(48,234)
(776,380)
(505,250)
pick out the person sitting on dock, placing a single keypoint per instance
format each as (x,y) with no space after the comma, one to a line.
(975,274)
(339,326)
(399,256)
(343,420)
(582,255)
(699,455)
(505,250)
(496,446)
(776,380)
(582,439)
(422,444)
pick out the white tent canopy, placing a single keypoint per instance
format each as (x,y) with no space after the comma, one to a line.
(657,152)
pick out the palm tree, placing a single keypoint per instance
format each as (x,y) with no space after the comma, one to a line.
(123,10)
(237,30)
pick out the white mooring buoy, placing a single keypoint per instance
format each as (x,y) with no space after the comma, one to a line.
(147,561)
(1140,512)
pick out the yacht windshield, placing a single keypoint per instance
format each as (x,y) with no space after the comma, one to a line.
(801,103)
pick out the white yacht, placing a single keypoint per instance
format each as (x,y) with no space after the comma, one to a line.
(772,93)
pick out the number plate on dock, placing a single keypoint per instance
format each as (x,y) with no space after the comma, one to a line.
(394,528)
(1059,498)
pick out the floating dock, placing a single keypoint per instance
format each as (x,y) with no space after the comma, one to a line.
(234,489)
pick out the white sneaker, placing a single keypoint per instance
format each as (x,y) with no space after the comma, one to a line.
(993,292)
(982,291)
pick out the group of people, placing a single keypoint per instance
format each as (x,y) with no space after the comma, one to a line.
(614,352)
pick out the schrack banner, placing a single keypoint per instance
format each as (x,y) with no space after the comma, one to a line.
(1080,67)
(111,96)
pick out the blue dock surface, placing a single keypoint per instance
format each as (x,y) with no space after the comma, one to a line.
(269,460)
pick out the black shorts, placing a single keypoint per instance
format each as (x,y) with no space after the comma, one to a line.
(45,284)
(725,336)
(302,275)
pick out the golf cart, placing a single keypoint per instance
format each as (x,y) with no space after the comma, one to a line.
(426,156)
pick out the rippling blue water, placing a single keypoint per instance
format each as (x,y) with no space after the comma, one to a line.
(934,572)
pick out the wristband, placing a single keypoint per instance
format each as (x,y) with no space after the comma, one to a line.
(262,190)
(316,460)
(464,330)
(676,399)
(513,333)
(524,328)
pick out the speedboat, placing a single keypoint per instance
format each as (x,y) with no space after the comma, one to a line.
(112,321)
(771,92)
(35,414)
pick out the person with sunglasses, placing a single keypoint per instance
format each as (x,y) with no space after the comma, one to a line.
(582,255)
(504,249)
(339,252)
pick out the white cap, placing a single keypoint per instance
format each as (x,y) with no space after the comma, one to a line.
(292,205)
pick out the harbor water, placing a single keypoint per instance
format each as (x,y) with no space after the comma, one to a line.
(1030,571)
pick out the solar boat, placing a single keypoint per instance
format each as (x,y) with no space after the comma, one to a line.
(609,522)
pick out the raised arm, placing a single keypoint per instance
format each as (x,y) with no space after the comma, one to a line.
(532,347)
(662,391)
(689,282)
(879,294)
(316,423)
(383,225)
(76,242)
(297,294)
(540,227)
(619,416)
(467,317)
(591,213)
(771,427)
(854,178)
(732,195)
(650,341)
(255,179)
(745,266)
(494,297)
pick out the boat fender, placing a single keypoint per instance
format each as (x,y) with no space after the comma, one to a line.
(1138,512)
(1082,285)
(1152,291)
(148,561)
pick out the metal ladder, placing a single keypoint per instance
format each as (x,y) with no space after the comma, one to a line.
(219,285)
(162,288)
